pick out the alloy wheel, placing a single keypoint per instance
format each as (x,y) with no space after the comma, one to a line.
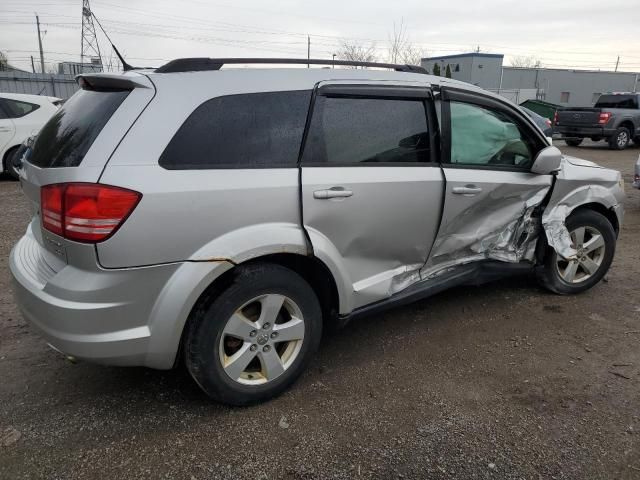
(262,339)
(622,139)
(590,245)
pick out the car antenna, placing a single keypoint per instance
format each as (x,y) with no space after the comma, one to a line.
(125,66)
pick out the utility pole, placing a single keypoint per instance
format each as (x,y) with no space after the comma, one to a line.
(33,66)
(617,62)
(40,44)
(308,50)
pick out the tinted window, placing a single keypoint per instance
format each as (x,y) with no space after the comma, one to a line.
(480,136)
(357,130)
(241,131)
(16,108)
(67,136)
(617,101)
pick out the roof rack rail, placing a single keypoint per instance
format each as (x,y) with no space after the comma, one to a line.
(202,64)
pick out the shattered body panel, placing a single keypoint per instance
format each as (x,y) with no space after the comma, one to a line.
(579,182)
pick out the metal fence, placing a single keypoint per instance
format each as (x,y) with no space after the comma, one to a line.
(49,84)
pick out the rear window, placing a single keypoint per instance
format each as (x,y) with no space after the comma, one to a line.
(255,130)
(617,101)
(68,135)
(16,108)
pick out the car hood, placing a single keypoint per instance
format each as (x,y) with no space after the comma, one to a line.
(579,162)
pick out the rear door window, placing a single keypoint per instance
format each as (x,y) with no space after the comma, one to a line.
(16,108)
(367,131)
(67,136)
(256,130)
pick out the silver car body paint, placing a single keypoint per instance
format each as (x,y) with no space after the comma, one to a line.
(126,300)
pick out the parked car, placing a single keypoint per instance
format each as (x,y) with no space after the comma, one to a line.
(636,176)
(542,123)
(615,118)
(21,116)
(228,227)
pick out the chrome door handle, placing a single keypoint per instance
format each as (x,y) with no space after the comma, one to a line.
(466,190)
(333,192)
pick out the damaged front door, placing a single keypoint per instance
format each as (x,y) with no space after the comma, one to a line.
(491,194)
(372,190)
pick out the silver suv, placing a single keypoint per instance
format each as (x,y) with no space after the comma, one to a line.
(224,216)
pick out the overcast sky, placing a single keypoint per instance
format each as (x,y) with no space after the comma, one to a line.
(568,33)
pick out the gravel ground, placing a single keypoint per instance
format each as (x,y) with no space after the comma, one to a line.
(499,381)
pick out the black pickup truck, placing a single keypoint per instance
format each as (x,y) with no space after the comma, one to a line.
(615,117)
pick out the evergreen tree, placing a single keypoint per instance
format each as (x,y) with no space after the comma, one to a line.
(436,69)
(448,71)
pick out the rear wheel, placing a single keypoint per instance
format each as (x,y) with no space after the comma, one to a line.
(594,239)
(620,139)
(8,163)
(256,338)
(573,142)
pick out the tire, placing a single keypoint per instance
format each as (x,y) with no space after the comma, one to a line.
(620,139)
(209,347)
(573,142)
(636,141)
(8,163)
(552,276)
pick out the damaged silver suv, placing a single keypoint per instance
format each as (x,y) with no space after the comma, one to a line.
(224,216)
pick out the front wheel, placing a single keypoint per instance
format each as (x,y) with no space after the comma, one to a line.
(254,339)
(594,239)
(573,142)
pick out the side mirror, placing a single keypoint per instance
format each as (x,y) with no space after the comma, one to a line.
(547,161)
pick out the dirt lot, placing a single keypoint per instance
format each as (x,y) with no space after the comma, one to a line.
(499,381)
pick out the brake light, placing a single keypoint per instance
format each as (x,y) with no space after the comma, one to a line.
(85,212)
(555,118)
(604,117)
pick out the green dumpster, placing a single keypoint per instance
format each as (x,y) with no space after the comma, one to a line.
(541,107)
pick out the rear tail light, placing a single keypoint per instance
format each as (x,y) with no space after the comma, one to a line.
(604,117)
(86,212)
(555,118)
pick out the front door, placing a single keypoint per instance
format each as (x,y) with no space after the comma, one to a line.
(491,194)
(371,185)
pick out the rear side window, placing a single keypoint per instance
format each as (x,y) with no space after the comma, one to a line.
(255,130)
(347,131)
(68,135)
(617,101)
(16,108)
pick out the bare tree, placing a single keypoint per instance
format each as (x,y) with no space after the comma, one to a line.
(4,62)
(401,50)
(356,52)
(525,62)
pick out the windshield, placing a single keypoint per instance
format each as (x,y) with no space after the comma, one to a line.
(67,136)
(617,101)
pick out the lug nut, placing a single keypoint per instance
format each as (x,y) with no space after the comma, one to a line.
(266,348)
(253,333)
(274,334)
(266,326)
(253,348)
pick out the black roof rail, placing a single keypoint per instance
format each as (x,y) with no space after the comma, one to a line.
(202,64)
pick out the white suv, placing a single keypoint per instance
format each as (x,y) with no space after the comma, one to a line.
(21,116)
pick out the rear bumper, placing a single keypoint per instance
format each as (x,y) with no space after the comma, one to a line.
(575,131)
(99,315)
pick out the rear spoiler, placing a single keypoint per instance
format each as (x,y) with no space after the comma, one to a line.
(109,81)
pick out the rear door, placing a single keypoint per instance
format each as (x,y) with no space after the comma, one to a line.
(7,129)
(488,150)
(371,185)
